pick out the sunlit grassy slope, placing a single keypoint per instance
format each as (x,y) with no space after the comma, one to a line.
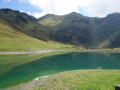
(82,80)
(14,40)
(50,20)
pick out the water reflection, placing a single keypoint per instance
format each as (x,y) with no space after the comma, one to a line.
(59,63)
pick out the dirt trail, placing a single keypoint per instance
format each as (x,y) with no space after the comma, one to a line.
(46,51)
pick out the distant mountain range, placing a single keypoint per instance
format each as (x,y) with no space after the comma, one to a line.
(73,28)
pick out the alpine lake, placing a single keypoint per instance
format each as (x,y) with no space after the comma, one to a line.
(17,69)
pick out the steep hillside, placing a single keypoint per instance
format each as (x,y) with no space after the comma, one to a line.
(50,20)
(24,23)
(72,28)
(108,31)
(75,28)
(12,40)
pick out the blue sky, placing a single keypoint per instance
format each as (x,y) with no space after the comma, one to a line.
(17,5)
(25,7)
(38,8)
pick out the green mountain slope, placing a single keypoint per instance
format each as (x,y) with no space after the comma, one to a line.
(108,31)
(24,23)
(19,31)
(10,40)
(73,28)
(89,32)
(50,20)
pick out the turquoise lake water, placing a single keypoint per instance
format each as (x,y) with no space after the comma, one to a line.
(53,64)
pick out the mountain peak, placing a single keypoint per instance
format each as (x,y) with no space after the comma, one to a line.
(113,14)
(48,16)
(74,13)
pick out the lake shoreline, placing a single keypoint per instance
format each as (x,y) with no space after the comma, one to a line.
(48,51)
(53,81)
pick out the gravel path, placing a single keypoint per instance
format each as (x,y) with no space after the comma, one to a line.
(30,85)
(45,51)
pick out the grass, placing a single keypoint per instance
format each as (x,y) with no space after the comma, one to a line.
(10,40)
(82,80)
(52,20)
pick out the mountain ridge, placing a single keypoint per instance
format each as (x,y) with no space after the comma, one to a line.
(73,28)
(97,27)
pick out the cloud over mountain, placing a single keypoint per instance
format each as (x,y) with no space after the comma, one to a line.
(99,8)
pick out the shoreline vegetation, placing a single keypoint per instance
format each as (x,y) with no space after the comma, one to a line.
(47,51)
(96,79)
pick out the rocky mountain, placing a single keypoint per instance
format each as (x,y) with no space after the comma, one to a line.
(90,32)
(73,28)
(24,23)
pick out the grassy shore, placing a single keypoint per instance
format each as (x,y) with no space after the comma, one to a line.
(76,80)
(48,50)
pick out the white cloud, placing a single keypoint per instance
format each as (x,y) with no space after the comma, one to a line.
(37,14)
(99,8)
